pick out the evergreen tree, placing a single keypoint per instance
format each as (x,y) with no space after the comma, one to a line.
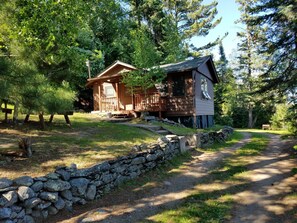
(280,41)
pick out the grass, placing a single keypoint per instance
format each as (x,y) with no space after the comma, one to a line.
(156,177)
(213,199)
(87,142)
(235,138)
(278,132)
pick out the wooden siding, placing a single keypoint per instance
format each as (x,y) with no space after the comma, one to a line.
(202,106)
(180,106)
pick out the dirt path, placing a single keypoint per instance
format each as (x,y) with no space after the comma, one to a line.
(139,204)
(271,181)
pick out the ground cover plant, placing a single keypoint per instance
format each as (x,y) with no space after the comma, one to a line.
(212,200)
(88,141)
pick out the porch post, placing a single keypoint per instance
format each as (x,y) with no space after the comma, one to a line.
(117,94)
(100,100)
(160,106)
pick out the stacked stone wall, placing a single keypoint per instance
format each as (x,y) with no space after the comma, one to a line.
(29,200)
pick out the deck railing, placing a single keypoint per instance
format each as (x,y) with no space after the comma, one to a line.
(151,102)
(109,104)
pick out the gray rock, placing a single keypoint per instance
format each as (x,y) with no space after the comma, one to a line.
(65,175)
(16,208)
(37,186)
(24,181)
(25,193)
(8,189)
(151,157)
(138,160)
(42,179)
(81,202)
(33,202)
(44,213)
(91,192)
(28,219)
(5,213)
(44,205)
(52,210)
(68,205)
(13,215)
(105,166)
(11,197)
(66,194)
(97,183)
(150,165)
(49,196)
(60,204)
(79,186)
(36,213)
(120,179)
(3,201)
(4,182)
(107,178)
(56,185)
(7,221)
(21,214)
(52,176)
(134,168)
(28,211)
(163,139)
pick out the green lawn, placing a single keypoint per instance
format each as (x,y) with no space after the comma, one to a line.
(88,141)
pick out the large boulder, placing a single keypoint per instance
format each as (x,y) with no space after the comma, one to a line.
(25,193)
(49,196)
(56,185)
(4,182)
(24,181)
(5,213)
(79,186)
(11,198)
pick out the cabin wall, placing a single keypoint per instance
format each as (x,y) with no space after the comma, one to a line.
(204,69)
(203,106)
(125,98)
(180,105)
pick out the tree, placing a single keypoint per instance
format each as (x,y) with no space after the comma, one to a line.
(279,42)
(250,63)
(145,58)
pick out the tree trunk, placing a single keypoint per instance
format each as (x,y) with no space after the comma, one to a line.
(27,118)
(41,120)
(250,124)
(51,119)
(67,120)
(16,113)
(5,106)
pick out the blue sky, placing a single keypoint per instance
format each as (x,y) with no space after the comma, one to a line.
(228,10)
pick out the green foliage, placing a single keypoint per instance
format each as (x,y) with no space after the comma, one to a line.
(278,118)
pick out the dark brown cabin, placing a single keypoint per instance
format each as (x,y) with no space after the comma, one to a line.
(187,95)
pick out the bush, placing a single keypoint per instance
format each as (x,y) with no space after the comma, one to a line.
(224,120)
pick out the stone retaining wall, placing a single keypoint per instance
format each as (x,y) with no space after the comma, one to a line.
(29,200)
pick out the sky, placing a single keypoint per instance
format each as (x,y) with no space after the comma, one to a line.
(228,10)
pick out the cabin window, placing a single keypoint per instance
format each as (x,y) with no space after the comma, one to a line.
(178,86)
(109,91)
(204,89)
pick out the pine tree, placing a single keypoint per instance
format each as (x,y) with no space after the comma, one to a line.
(280,42)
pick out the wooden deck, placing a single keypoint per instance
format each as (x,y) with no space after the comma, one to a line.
(152,103)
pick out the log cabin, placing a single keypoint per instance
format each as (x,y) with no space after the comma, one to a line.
(188,95)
